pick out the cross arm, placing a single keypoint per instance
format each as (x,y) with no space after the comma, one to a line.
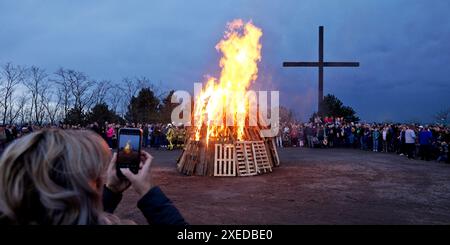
(316,64)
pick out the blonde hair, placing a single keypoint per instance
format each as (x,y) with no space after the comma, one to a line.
(54,176)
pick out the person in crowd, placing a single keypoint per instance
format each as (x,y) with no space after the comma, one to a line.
(8,133)
(145,133)
(330,134)
(94,127)
(181,136)
(14,131)
(2,137)
(384,137)
(66,185)
(320,136)
(410,141)
(309,135)
(301,136)
(402,144)
(360,135)
(337,136)
(279,139)
(157,137)
(150,135)
(443,155)
(375,139)
(350,132)
(286,132)
(109,134)
(294,135)
(425,137)
(170,136)
(163,136)
(365,138)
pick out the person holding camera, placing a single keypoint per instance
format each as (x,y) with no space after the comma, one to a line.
(67,177)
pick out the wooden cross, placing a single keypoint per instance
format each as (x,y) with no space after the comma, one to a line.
(321,64)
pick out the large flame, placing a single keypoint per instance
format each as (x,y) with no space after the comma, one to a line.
(241,52)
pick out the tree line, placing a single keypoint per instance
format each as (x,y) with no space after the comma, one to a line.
(33,95)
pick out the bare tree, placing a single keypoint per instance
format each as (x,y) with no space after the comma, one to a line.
(22,111)
(115,98)
(129,89)
(65,90)
(11,77)
(144,82)
(122,94)
(80,87)
(37,85)
(101,90)
(52,103)
(76,90)
(17,109)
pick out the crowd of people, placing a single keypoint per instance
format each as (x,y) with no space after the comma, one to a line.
(156,135)
(427,142)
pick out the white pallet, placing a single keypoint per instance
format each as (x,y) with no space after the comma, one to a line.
(224,160)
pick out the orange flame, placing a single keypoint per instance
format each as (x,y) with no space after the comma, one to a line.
(127,149)
(241,52)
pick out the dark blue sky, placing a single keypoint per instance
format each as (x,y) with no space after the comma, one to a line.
(403,46)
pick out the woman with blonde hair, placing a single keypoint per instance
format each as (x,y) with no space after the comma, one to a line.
(67,177)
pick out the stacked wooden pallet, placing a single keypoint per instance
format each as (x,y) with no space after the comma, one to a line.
(245,161)
(224,160)
(244,158)
(260,157)
(223,155)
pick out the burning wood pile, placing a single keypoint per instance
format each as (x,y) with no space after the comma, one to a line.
(225,139)
(225,156)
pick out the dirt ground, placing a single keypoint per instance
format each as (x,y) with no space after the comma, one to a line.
(312,186)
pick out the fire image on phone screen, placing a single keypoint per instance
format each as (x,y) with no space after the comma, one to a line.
(128,150)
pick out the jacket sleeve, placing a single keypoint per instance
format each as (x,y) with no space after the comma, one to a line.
(159,210)
(110,200)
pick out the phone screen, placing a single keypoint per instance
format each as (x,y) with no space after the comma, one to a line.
(129,149)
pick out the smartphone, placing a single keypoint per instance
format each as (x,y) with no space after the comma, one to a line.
(129,150)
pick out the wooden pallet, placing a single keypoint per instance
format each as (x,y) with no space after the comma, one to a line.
(224,160)
(261,158)
(244,157)
(273,150)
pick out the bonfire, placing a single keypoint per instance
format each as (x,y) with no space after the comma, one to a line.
(221,141)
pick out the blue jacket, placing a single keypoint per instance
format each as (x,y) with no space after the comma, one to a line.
(425,137)
(376,134)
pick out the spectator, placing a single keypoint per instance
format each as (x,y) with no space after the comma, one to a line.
(8,134)
(443,152)
(294,136)
(384,136)
(109,134)
(65,185)
(145,133)
(375,136)
(425,143)
(410,140)
(309,136)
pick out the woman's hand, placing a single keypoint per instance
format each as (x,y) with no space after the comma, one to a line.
(141,181)
(112,181)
